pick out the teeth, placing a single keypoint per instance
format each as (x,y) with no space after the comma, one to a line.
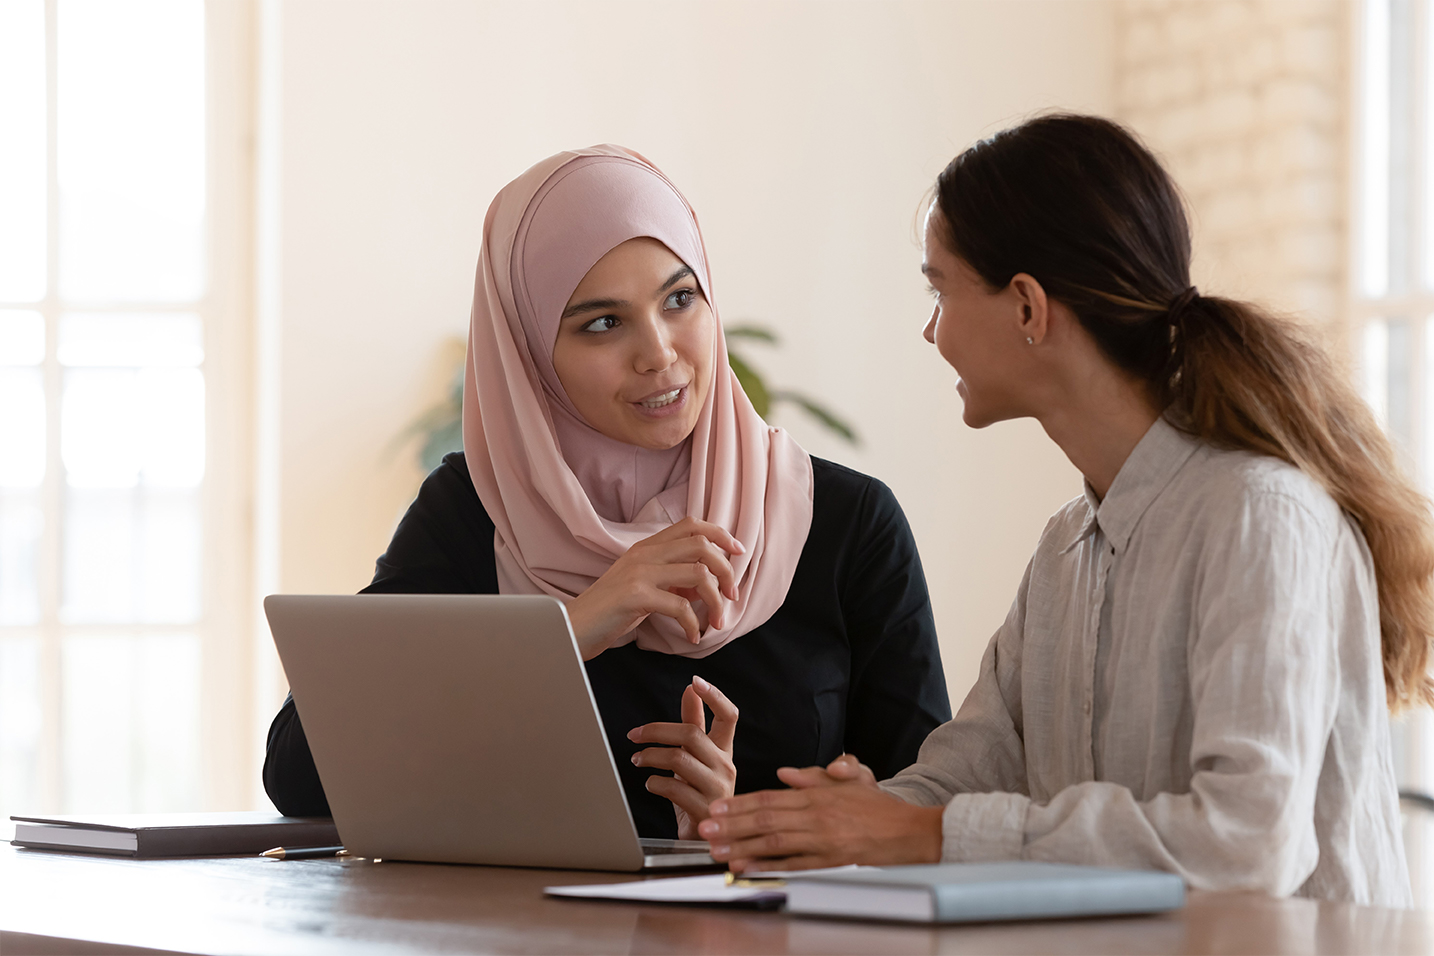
(661,400)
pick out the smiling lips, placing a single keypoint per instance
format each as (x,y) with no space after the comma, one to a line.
(662,399)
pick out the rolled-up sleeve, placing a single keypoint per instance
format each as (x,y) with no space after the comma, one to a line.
(980,749)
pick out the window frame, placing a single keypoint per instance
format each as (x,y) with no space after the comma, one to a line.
(1413,731)
(225,625)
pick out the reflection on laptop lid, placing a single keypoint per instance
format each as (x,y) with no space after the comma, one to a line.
(459,728)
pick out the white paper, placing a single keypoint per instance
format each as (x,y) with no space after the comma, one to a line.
(708,888)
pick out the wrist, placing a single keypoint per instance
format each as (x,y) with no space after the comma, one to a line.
(927,833)
(578,621)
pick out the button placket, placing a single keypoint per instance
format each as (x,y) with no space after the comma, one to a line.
(1092,644)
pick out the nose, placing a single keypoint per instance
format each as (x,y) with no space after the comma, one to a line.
(655,351)
(929,333)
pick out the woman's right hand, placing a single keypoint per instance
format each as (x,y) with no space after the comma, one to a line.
(662,574)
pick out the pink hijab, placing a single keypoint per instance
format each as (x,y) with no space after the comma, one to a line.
(566,500)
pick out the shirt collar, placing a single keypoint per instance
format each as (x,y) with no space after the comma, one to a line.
(1152,464)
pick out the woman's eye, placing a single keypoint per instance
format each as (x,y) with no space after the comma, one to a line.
(931,291)
(681,299)
(603,323)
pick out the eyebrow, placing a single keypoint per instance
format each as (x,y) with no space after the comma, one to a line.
(930,270)
(591,305)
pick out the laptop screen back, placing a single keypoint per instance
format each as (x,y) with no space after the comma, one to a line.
(454,728)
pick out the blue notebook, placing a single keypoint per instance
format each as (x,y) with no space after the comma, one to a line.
(973,892)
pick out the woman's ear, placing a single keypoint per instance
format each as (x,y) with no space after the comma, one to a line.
(1033,319)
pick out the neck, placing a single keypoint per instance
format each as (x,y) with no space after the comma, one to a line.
(1098,422)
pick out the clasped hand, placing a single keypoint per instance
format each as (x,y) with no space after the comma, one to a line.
(830,817)
(662,574)
(700,759)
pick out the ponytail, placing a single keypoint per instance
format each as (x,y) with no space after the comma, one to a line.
(1078,203)
(1248,380)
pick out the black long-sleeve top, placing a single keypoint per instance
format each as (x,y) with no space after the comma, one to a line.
(848,663)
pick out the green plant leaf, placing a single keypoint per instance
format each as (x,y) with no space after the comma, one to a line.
(752,384)
(441,441)
(751,332)
(821,413)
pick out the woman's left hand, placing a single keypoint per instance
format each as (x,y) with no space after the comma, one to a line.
(700,759)
(831,817)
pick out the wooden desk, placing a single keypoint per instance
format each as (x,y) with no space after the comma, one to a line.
(248,905)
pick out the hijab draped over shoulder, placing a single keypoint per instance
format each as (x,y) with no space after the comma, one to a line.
(566,500)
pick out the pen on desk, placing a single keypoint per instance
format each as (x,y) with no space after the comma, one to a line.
(304,852)
(758,883)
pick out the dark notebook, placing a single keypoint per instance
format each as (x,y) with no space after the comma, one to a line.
(173,834)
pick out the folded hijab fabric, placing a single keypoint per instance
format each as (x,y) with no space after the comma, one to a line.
(566,500)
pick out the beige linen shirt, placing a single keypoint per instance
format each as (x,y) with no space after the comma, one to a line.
(1189,680)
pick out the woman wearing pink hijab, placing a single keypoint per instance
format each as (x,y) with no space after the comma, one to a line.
(611,460)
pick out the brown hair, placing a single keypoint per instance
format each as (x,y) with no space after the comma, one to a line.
(1078,203)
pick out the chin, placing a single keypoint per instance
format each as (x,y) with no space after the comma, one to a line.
(661,441)
(977,417)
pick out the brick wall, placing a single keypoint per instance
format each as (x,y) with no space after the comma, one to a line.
(1246,101)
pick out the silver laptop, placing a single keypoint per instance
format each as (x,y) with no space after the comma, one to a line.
(460,728)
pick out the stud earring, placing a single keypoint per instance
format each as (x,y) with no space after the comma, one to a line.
(1030,341)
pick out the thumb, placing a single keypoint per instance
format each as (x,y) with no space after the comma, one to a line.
(692,712)
(848,767)
(804,778)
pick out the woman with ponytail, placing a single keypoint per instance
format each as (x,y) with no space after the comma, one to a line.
(1197,671)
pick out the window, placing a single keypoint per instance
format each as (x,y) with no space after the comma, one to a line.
(113,616)
(1392,307)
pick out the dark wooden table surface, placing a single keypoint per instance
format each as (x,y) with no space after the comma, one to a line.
(70,903)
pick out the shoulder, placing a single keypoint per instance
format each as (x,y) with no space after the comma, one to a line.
(846,497)
(448,491)
(1228,487)
(1065,526)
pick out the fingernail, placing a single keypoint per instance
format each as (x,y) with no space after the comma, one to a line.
(707,828)
(741,548)
(634,733)
(718,806)
(635,760)
(700,684)
(718,852)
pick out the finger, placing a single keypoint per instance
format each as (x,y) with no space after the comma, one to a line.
(745,803)
(683,579)
(694,742)
(804,778)
(729,829)
(673,735)
(690,526)
(716,561)
(712,784)
(717,534)
(847,767)
(680,793)
(707,587)
(692,712)
(695,549)
(778,843)
(678,608)
(724,713)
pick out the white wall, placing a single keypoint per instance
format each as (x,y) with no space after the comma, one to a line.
(804,133)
